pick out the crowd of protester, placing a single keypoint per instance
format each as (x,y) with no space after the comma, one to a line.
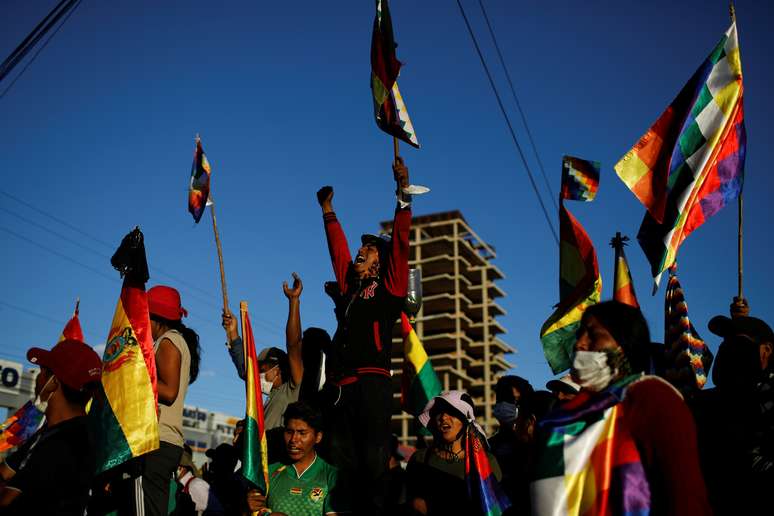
(650,447)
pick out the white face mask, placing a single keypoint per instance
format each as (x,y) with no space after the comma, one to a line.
(39,403)
(266,385)
(592,371)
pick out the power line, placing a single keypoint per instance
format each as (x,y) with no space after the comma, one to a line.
(71,7)
(268,326)
(518,105)
(508,122)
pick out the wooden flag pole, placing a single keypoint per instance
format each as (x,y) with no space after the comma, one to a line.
(740,242)
(242,312)
(220,258)
(616,243)
(395,149)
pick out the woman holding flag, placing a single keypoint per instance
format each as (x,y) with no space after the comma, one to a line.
(177,366)
(626,444)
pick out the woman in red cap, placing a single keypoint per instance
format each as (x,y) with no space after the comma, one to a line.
(177,366)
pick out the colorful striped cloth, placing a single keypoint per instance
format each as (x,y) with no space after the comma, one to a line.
(124,412)
(683,345)
(580,179)
(588,463)
(199,187)
(482,484)
(255,454)
(690,163)
(623,286)
(389,109)
(20,426)
(580,284)
(419,383)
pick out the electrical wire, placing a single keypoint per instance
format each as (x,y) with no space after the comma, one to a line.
(508,123)
(518,105)
(42,47)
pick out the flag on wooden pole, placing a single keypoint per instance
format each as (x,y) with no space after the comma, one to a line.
(255,462)
(623,286)
(580,284)
(389,109)
(690,163)
(199,186)
(72,329)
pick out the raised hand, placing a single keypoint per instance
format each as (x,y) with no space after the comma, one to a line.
(295,291)
(400,173)
(230,325)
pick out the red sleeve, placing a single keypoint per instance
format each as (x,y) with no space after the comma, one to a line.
(396,276)
(665,433)
(338,249)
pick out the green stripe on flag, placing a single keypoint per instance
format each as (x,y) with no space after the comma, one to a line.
(558,346)
(424,387)
(251,466)
(113,448)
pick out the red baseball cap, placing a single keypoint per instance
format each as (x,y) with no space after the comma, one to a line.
(165,302)
(74,363)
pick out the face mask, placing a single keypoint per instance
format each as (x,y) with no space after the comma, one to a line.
(266,385)
(592,370)
(39,403)
(505,412)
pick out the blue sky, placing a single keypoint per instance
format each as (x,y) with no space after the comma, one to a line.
(99,133)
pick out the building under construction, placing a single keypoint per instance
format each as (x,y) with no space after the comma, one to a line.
(457,322)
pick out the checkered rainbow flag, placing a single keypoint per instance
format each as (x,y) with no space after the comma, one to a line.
(690,163)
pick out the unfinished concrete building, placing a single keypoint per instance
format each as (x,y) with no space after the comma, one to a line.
(457,322)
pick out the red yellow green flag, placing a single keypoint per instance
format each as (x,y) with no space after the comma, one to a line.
(419,383)
(124,412)
(623,287)
(255,462)
(72,330)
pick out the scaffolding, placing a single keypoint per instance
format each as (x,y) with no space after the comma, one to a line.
(457,322)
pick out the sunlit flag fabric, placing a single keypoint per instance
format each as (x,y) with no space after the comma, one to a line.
(690,163)
(72,329)
(580,284)
(255,462)
(389,109)
(589,464)
(580,179)
(623,286)
(199,188)
(124,411)
(419,383)
(482,484)
(683,345)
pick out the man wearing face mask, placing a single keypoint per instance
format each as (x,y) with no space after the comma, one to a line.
(631,434)
(52,472)
(280,372)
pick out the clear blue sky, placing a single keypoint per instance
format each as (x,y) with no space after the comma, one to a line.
(99,132)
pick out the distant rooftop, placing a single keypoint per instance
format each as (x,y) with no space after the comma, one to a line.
(432,217)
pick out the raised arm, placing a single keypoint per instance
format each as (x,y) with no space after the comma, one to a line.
(337,241)
(396,275)
(293,329)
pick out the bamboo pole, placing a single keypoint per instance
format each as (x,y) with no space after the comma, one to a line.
(220,258)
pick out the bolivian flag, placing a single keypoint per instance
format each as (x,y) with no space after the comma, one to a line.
(419,383)
(124,411)
(255,462)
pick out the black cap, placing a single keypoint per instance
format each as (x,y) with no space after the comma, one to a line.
(753,327)
(381,242)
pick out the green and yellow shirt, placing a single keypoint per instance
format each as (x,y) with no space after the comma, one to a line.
(311,492)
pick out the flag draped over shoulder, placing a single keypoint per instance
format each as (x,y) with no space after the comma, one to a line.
(580,284)
(124,412)
(589,463)
(683,346)
(623,286)
(482,484)
(690,163)
(419,383)
(199,188)
(389,109)
(255,462)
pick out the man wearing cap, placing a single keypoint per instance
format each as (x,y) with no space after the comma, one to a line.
(52,472)
(563,388)
(371,292)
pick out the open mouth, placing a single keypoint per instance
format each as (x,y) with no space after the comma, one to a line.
(444,427)
(294,451)
(359,259)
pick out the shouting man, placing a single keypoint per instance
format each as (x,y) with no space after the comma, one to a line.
(371,291)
